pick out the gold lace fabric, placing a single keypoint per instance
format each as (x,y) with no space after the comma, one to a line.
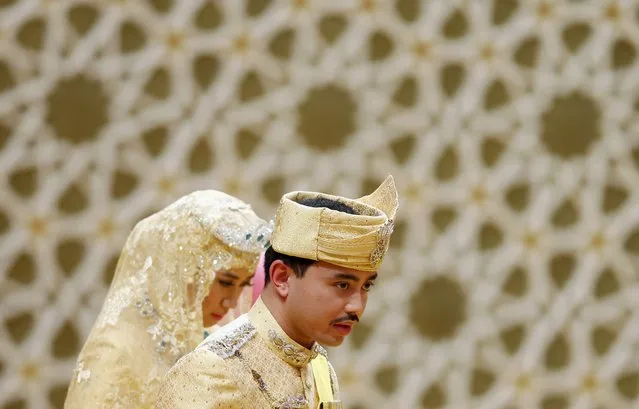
(152,314)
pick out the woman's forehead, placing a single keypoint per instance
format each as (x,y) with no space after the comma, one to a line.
(235,273)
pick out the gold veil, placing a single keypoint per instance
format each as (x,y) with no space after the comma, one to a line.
(152,314)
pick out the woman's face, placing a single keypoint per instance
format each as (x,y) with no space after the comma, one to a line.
(224,293)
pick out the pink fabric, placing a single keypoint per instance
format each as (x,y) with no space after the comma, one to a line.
(258,279)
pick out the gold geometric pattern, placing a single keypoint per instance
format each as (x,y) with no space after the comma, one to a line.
(510,127)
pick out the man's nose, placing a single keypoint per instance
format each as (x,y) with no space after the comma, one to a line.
(356,304)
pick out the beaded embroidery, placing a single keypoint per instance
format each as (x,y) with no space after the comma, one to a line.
(383,239)
(227,345)
(297,354)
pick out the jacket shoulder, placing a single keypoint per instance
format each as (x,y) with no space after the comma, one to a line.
(229,340)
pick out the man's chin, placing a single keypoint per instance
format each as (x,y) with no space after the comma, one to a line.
(331,341)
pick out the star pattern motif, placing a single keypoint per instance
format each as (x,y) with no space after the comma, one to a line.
(510,128)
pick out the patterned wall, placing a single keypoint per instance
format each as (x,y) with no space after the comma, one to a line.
(511,128)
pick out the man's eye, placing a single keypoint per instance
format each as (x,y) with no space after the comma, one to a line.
(368,286)
(342,286)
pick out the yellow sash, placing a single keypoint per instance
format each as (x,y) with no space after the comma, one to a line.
(322,376)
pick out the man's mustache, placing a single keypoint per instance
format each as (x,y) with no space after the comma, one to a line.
(347,317)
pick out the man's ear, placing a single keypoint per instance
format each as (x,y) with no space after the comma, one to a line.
(280,275)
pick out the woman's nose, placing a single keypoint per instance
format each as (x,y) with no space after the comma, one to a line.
(229,303)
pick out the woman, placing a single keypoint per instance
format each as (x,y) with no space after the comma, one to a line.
(181,270)
(257,285)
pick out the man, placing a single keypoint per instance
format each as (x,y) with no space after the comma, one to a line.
(323,259)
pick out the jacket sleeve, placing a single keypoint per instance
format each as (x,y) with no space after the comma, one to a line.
(200,380)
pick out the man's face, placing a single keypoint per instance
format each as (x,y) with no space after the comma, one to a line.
(328,301)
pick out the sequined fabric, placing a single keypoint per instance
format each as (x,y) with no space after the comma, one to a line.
(250,363)
(152,315)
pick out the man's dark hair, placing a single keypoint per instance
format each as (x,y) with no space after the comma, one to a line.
(297,264)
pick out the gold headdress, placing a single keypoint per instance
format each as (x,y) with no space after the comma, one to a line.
(358,241)
(172,256)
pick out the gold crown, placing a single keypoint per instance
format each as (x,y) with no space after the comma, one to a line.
(358,241)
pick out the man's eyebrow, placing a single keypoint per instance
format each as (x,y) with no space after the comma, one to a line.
(352,277)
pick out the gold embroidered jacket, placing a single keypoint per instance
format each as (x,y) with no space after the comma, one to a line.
(249,363)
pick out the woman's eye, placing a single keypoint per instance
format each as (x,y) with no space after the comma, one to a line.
(247,284)
(225,283)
